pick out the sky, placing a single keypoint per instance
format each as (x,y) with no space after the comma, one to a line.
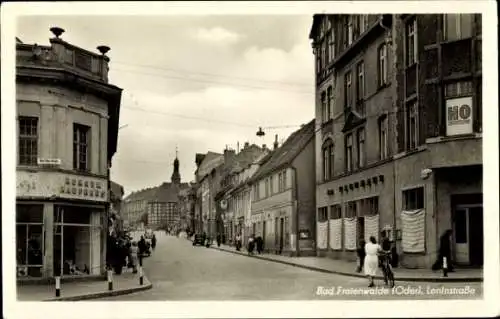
(197,83)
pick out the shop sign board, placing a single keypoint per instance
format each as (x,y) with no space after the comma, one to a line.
(459,116)
(61,185)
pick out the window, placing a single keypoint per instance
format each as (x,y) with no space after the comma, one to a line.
(361,147)
(382,137)
(458,89)
(282,181)
(457,26)
(328,159)
(360,83)
(411,43)
(413,199)
(350,30)
(363,23)
(412,126)
(322,214)
(267,187)
(351,210)
(324,108)
(330,102)
(81,139)
(335,212)
(382,65)
(271,184)
(29,240)
(331,45)
(28,140)
(348,89)
(372,206)
(348,155)
(323,55)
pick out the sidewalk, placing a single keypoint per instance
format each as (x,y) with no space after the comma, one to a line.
(123,284)
(346,268)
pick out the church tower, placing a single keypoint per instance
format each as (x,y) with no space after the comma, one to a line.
(176,176)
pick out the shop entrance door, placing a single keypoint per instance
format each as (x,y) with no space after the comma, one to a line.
(468,235)
(282,230)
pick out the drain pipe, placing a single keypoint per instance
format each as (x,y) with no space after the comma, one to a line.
(295,202)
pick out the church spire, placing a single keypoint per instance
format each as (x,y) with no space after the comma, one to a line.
(176,176)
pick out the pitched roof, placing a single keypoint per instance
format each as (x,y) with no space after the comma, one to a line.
(285,154)
(116,190)
(166,192)
(210,161)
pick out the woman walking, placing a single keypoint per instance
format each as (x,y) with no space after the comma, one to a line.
(371,259)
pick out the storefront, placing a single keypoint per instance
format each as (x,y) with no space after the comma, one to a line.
(60,225)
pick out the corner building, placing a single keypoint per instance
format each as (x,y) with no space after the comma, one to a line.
(67,131)
(399,149)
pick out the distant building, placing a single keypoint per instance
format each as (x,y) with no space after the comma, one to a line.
(67,124)
(157,207)
(284,196)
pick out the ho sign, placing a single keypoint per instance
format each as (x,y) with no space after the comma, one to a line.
(459,116)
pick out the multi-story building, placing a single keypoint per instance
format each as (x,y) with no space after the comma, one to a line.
(399,104)
(283,196)
(186,209)
(67,131)
(231,202)
(207,179)
(157,207)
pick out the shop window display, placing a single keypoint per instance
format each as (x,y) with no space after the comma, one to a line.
(29,240)
(77,241)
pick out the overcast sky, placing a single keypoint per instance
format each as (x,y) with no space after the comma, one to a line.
(195,82)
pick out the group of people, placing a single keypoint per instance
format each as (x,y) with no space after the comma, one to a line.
(372,255)
(124,251)
(255,243)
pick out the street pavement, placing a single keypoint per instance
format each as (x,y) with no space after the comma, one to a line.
(180,271)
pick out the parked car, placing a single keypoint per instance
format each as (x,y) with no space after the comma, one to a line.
(198,240)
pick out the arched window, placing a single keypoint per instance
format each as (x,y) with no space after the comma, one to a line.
(328,159)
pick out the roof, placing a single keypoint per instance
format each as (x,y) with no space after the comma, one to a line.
(285,154)
(166,192)
(315,24)
(210,161)
(117,190)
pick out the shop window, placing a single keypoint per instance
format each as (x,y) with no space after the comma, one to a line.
(28,140)
(77,238)
(29,240)
(81,141)
(457,26)
(413,199)
(322,214)
(335,212)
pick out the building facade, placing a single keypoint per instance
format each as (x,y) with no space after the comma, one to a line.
(67,131)
(283,196)
(233,200)
(399,104)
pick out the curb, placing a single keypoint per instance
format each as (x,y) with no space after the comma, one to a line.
(336,272)
(104,293)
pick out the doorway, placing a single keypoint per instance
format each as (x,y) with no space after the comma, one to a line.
(264,230)
(468,235)
(281,233)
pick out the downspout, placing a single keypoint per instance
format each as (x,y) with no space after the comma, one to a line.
(295,202)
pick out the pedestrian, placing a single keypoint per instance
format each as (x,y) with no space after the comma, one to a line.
(142,249)
(219,238)
(259,242)
(153,242)
(371,260)
(238,242)
(251,244)
(386,252)
(444,252)
(134,253)
(361,255)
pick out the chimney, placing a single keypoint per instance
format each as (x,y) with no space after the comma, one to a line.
(275,145)
(246,145)
(228,155)
(264,146)
(237,147)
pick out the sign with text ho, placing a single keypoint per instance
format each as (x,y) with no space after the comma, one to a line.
(459,116)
